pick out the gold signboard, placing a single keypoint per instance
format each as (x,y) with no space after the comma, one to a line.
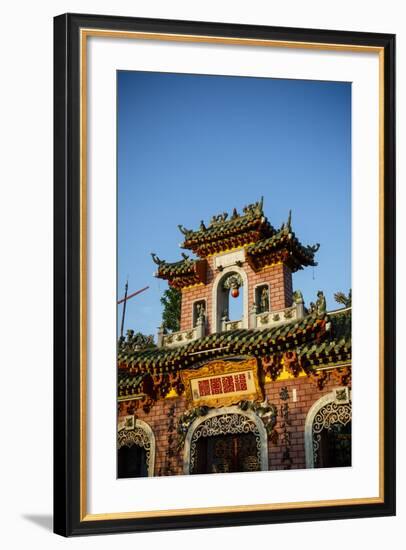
(222,383)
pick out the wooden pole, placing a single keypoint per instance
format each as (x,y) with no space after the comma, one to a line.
(126,297)
(125,303)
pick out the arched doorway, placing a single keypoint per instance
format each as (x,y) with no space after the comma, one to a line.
(226,440)
(226,453)
(328,433)
(132,461)
(136,451)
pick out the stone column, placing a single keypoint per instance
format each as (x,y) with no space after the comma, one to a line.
(253,316)
(201,326)
(299,304)
(160,336)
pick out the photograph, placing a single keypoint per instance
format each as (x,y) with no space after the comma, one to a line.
(199,274)
(233,274)
(224,199)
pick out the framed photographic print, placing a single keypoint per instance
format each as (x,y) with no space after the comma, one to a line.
(224,257)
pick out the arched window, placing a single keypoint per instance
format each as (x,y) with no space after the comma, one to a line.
(235,305)
(328,431)
(136,451)
(230,299)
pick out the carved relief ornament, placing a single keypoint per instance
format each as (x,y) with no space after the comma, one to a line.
(222,383)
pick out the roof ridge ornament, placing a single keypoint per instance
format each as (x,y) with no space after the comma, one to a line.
(313,248)
(344,299)
(184,231)
(321,305)
(157,260)
(255,209)
(286,227)
(219,218)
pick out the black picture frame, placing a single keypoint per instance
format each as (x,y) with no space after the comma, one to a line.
(68,520)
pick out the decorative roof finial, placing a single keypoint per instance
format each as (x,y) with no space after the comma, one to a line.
(321,306)
(341,298)
(255,209)
(184,231)
(313,249)
(289,222)
(157,260)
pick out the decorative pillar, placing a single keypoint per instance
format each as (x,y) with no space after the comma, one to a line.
(253,316)
(160,337)
(299,303)
(201,326)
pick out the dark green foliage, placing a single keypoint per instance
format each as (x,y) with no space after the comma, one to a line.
(171,301)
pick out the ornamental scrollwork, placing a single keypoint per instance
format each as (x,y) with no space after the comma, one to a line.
(266,411)
(229,423)
(136,436)
(186,420)
(326,417)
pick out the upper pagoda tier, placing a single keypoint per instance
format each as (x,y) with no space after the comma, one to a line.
(224,233)
(251,230)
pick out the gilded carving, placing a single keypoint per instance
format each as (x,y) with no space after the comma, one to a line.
(220,369)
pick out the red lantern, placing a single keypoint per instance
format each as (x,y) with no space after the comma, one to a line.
(235,292)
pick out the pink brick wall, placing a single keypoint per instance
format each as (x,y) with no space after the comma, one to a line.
(279,278)
(306,391)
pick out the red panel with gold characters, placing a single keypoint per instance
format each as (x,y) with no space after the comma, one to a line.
(222,383)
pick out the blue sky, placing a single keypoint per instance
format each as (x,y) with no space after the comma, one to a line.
(190,146)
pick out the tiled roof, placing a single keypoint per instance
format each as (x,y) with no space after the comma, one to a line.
(183,267)
(224,232)
(252,230)
(183,273)
(293,252)
(228,228)
(311,343)
(310,337)
(128,384)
